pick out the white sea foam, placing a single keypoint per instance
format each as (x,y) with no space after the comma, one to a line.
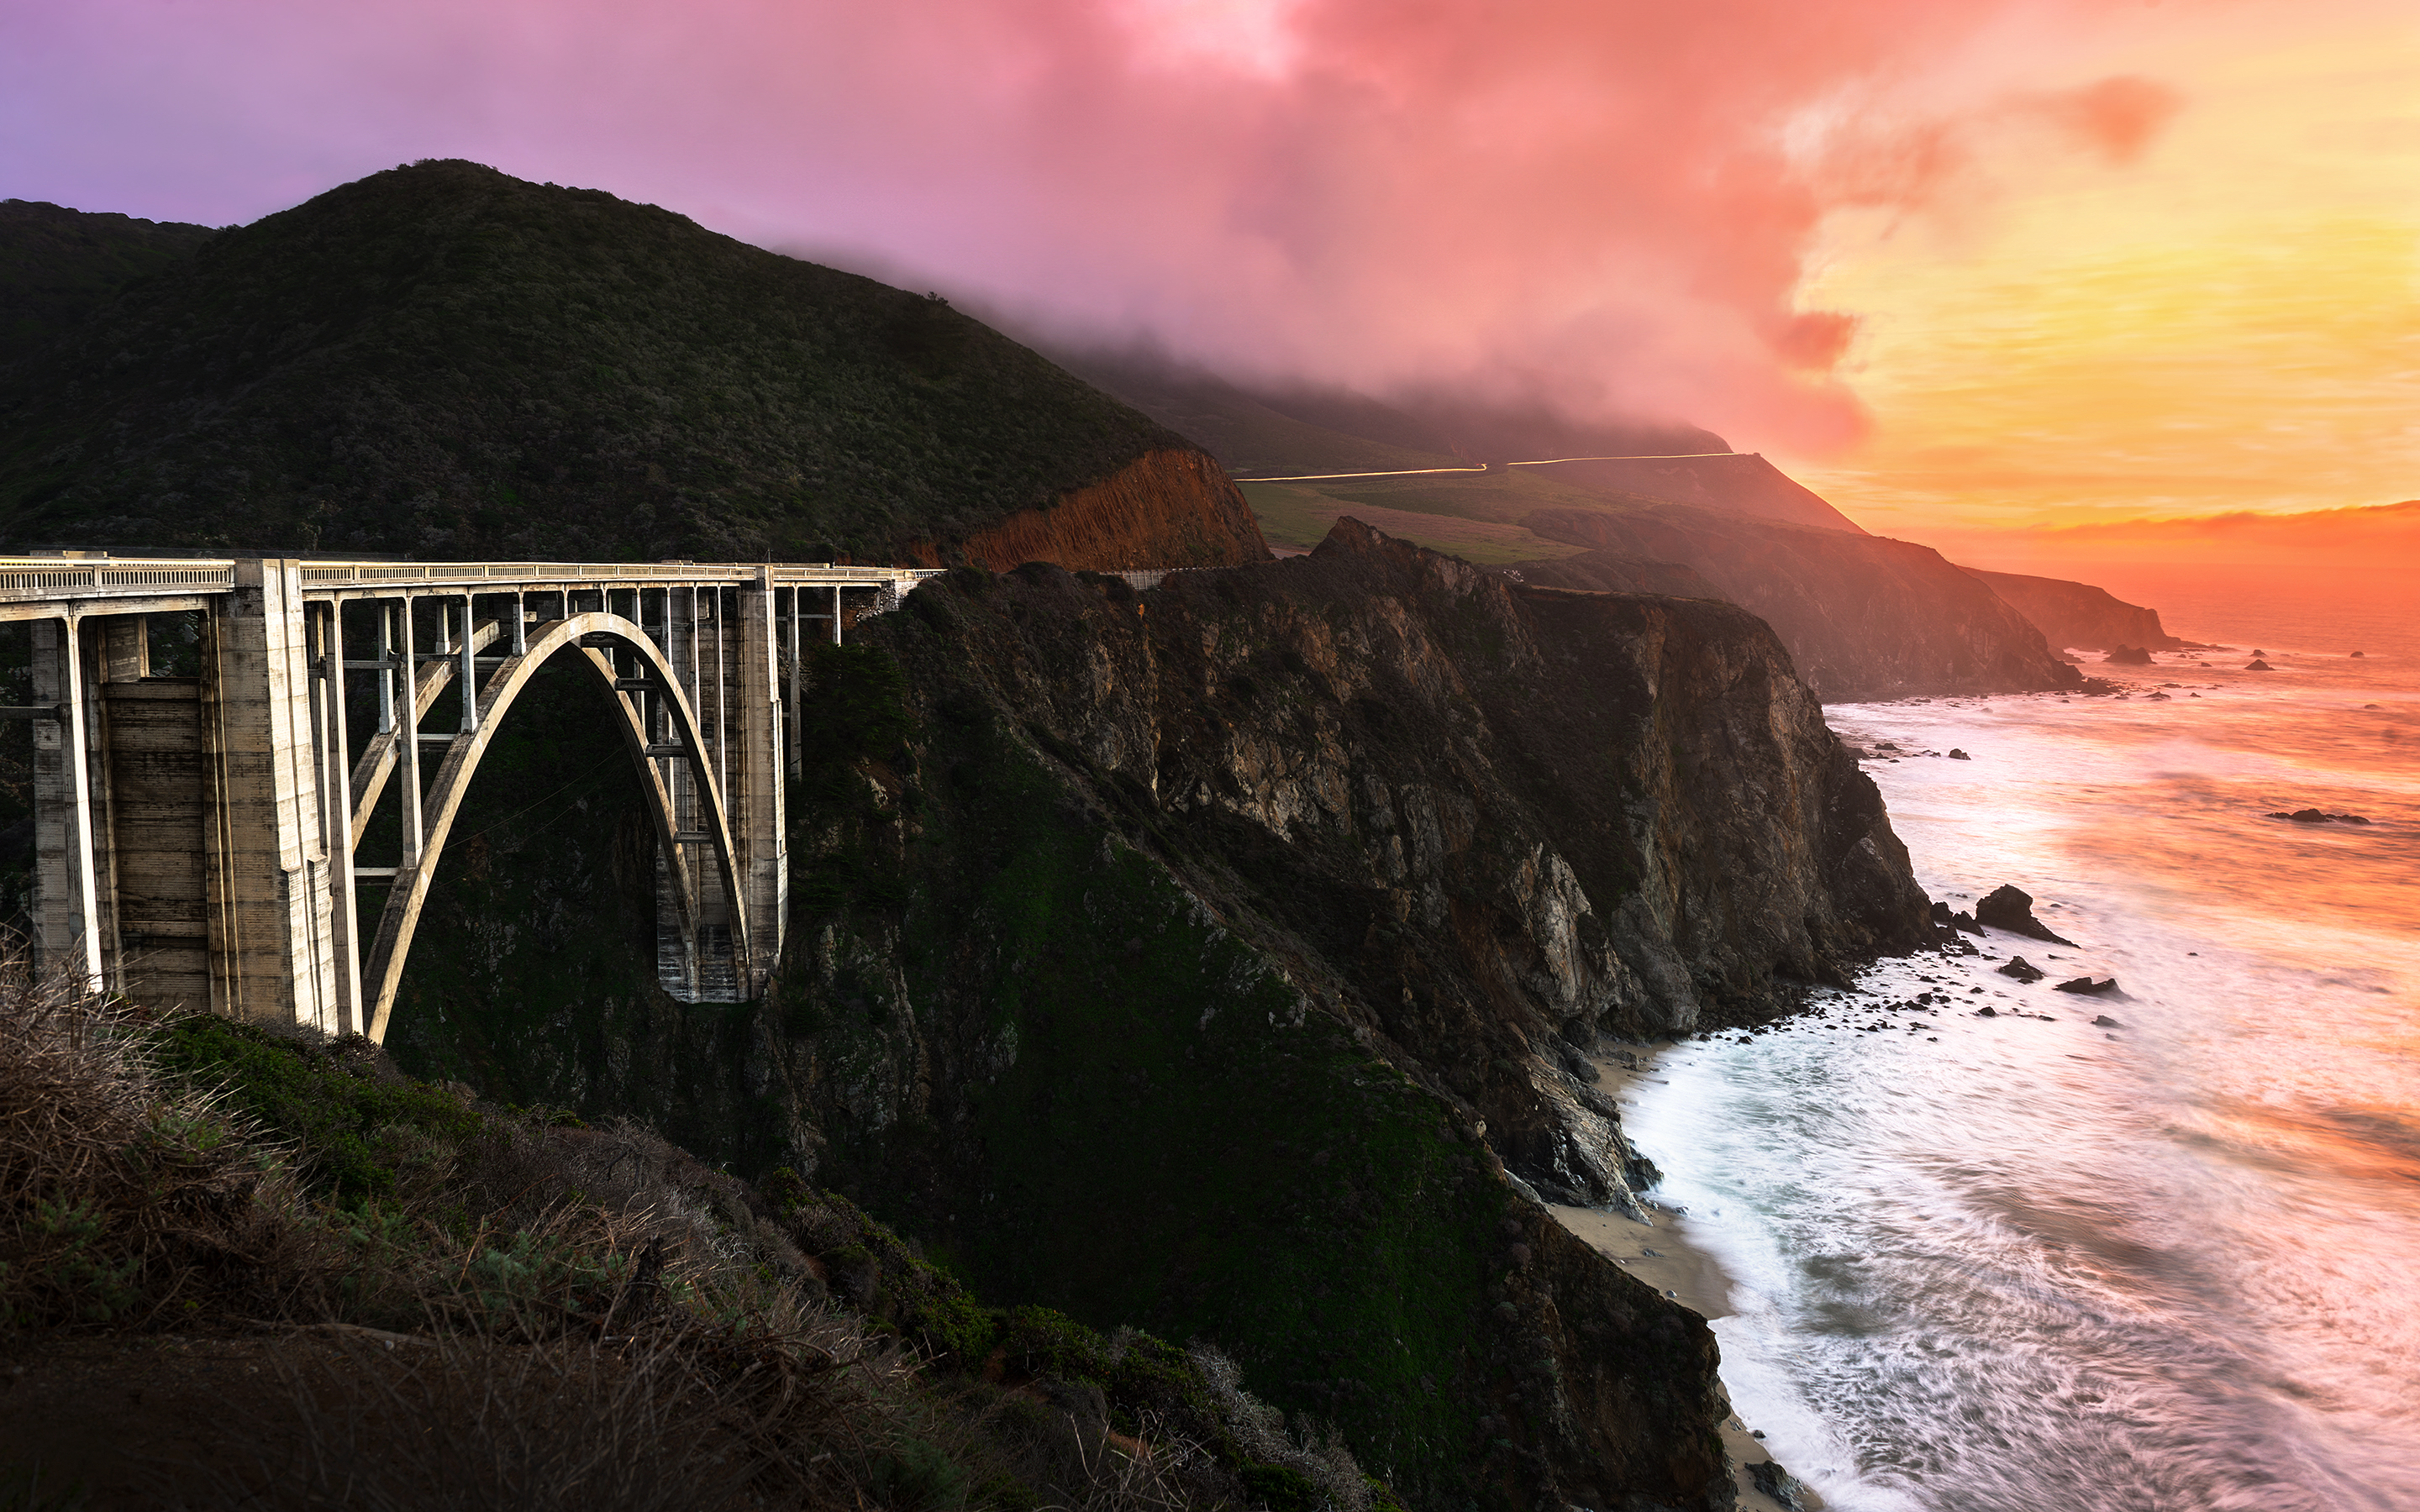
(1993,1264)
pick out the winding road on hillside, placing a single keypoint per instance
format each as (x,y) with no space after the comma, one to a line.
(1541,462)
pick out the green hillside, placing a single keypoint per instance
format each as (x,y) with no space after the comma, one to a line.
(1477,516)
(58,265)
(447,361)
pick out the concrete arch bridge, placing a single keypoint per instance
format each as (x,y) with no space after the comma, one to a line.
(196,837)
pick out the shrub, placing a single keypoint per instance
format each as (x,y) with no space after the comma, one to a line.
(117,1199)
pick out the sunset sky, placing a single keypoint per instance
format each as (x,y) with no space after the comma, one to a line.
(1966,267)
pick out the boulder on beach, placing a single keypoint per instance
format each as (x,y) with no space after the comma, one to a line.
(2087,986)
(2256,665)
(2021,968)
(2132,657)
(2012,909)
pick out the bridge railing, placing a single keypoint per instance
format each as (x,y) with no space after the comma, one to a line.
(37,577)
(71,577)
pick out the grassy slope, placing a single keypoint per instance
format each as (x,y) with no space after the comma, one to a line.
(445,360)
(1476,517)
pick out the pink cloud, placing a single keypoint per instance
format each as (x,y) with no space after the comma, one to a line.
(1588,199)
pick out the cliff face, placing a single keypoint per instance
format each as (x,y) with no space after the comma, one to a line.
(1217,960)
(2078,614)
(1864,617)
(1170,508)
(1275,905)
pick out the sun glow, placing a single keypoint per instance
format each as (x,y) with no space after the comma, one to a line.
(2230,322)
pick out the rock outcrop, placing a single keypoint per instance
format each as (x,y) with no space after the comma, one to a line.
(1218,959)
(2011,908)
(2078,616)
(1283,897)
(1864,617)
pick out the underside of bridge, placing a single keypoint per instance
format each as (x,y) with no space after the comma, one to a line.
(330,794)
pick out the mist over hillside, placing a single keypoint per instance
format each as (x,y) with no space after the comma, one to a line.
(444,360)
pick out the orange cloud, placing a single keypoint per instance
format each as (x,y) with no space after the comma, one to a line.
(2117,116)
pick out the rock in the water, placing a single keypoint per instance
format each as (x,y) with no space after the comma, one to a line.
(1964,920)
(2131,657)
(2012,909)
(2021,968)
(2258,651)
(1957,755)
(2316,816)
(1779,1484)
(2102,1021)
(2356,656)
(1986,1012)
(2256,665)
(2087,986)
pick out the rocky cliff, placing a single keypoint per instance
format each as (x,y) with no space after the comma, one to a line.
(1218,959)
(2078,615)
(1864,616)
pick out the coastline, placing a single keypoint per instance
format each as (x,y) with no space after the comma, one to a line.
(1661,1255)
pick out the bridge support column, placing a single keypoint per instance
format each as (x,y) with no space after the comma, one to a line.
(66,827)
(757,828)
(272,927)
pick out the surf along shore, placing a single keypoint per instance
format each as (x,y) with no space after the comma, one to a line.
(1659,1253)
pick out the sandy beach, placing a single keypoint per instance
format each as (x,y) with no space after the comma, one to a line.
(1657,1254)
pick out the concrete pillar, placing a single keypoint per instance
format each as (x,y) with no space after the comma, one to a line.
(271,931)
(334,741)
(757,829)
(68,925)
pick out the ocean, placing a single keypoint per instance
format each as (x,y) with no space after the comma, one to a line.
(2167,1263)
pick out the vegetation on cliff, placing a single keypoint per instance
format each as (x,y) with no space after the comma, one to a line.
(444,360)
(376,1261)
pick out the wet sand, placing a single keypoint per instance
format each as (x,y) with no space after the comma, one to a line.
(1657,1254)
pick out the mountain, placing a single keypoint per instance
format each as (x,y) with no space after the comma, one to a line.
(1734,483)
(447,361)
(2078,615)
(1274,430)
(1864,616)
(58,265)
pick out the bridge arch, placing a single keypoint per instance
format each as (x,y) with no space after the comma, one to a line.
(596,636)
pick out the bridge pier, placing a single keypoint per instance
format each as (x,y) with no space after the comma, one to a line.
(197,837)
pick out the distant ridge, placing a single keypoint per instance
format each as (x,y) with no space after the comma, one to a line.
(444,360)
